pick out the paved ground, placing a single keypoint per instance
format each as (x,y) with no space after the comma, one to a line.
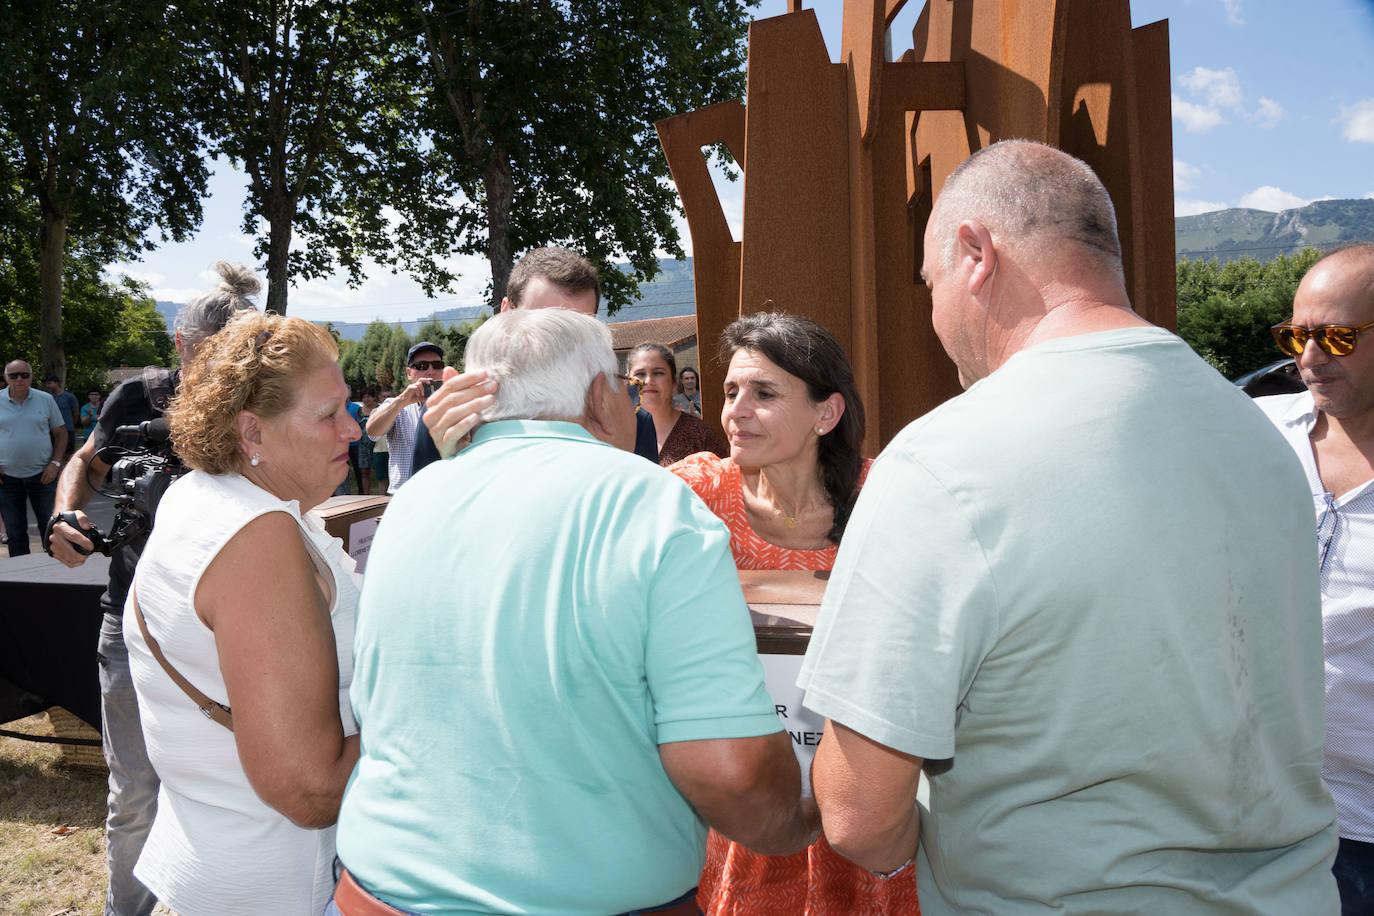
(101,511)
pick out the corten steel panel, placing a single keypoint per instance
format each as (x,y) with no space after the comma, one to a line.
(882,239)
(914,372)
(861,50)
(796,181)
(1091,109)
(715,253)
(1005,48)
(1158,302)
(844,161)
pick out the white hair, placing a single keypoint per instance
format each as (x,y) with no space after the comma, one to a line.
(209,312)
(544,361)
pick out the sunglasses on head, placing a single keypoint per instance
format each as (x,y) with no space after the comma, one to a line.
(1333,339)
(20,374)
(420,365)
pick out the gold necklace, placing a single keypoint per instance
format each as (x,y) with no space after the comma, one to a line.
(788,520)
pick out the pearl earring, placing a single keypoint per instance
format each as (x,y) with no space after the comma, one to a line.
(256,459)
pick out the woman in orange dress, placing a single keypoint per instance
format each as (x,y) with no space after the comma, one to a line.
(795,426)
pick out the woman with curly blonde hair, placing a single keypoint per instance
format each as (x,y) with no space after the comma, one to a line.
(243,602)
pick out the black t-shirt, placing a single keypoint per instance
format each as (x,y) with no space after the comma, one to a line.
(127,405)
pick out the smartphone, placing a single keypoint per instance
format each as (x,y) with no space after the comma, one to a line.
(429,386)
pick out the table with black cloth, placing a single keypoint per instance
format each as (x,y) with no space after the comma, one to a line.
(49,628)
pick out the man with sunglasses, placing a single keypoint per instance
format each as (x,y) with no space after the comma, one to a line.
(1331,428)
(33,439)
(398,418)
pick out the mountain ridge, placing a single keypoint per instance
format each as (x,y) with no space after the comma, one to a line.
(1262,234)
(1222,234)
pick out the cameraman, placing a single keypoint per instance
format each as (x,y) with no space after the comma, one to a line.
(133,783)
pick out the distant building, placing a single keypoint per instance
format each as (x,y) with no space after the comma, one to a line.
(678,333)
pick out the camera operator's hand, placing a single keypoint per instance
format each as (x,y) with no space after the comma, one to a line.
(453,409)
(64,536)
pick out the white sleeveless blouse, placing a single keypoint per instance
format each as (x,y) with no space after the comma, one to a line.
(215,847)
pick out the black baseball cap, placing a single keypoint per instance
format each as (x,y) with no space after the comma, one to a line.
(424,345)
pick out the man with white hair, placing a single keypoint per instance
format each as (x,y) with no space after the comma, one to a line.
(556,679)
(1081,594)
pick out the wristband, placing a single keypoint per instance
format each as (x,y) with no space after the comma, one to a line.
(884,875)
(56,462)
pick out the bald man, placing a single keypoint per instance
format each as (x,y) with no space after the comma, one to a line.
(1331,428)
(1081,595)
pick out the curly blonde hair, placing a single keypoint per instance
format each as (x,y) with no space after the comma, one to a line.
(255,364)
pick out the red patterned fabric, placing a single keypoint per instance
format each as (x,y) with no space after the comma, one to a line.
(717,481)
(817,881)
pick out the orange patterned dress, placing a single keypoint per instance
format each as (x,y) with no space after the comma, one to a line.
(816,881)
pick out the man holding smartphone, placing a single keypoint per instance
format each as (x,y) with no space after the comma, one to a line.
(397,418)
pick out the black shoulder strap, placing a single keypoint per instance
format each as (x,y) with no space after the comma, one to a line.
(160,386)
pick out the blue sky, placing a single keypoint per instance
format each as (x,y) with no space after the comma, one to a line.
(1273,107)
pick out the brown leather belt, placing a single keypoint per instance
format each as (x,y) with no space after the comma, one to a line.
(353,900)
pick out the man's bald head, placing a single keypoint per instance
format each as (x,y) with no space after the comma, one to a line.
(1355,263)
(1034,199)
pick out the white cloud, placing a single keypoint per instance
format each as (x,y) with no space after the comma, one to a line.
(1359,121)
(1184,175)
(135,273)
(1218,88)
(1196,119)
(1369,195)
(182,294)
(1193,207)
(1234,15)
(1272,199)
(1269,113)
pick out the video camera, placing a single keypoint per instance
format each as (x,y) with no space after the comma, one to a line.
(138,479)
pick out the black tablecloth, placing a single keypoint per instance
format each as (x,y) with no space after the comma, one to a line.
(49,629)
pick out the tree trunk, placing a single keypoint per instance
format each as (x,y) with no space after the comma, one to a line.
(280,215)
(500,195)
(51,246)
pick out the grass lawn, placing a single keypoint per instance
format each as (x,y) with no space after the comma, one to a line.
(52,830)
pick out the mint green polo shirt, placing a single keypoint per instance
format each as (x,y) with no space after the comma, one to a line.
(539,615)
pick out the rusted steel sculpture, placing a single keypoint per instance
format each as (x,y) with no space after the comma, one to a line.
(842,161)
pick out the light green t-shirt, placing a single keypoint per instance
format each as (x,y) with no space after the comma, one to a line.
(538,616)
(1090,580)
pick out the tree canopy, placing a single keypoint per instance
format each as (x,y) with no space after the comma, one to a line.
(1225,310)
(379,359)
(545,114)
(316,100)
(86,90)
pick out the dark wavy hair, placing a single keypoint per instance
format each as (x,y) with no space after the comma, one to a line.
(803,348)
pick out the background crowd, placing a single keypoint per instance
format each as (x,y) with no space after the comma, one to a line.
(1058,600)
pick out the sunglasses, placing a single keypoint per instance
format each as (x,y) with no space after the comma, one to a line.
(1334,339)
(633,387)
(20,374)
(420,365)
